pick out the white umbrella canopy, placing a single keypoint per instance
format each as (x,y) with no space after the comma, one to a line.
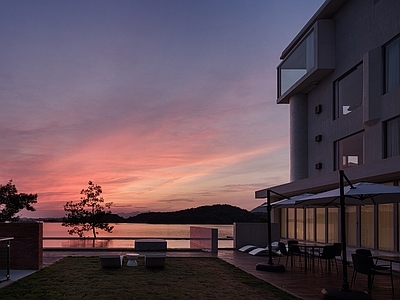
(362,193)
(290,202)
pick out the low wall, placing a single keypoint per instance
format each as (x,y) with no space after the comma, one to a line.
(204,238)
(254,234)
(26,249)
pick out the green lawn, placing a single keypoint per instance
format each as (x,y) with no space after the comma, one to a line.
(182,278)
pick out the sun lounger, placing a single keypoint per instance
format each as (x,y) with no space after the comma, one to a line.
(111,260)
(264,251)
(247,248)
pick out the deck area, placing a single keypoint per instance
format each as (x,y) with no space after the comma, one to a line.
(304,285)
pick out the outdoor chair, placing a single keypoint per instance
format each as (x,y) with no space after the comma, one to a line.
(364,264)
(368,252)
(284,252)
(295,250)
(329,255)
(338,250)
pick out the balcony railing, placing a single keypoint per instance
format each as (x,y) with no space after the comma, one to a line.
(5,258)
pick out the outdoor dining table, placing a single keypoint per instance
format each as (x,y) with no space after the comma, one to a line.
(307,246)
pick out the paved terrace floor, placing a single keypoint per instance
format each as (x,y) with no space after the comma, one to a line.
(304,285)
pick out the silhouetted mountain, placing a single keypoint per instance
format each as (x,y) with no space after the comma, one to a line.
(215,214)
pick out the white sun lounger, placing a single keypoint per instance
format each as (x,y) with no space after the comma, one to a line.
(261,251)
(247,248)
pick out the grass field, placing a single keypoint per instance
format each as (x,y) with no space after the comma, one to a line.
(182,278)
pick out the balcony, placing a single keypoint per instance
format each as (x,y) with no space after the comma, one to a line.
(312,59)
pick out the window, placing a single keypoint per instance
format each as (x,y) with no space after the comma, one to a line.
(350,151)
(385,227)
(320,218)
(367,226)
(310,220)
(291,224)
(392,137)
(333,221)
(283,223)
(298,63)
(300,223)
(351,225)
(392,65)
(349,92)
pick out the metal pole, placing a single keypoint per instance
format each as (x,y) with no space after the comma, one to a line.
(269,227)
(345,284)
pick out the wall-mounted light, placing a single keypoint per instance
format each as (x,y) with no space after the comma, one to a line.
(318,109)
(318,166)
(318,138)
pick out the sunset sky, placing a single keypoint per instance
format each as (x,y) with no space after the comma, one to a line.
(166,104)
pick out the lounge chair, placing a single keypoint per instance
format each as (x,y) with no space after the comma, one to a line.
(247,248)
(111,260)
(264,251)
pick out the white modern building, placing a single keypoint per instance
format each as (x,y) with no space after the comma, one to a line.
(341,77)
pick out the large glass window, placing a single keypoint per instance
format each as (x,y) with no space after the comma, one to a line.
(367,226)
(300,223)
(310,224)
(320,228)
(392,137)
(283,223)
(385,227)
(291,224)
(392,65)
(351,225)
(297,64)
(333,221)
(350,151)
(349,92)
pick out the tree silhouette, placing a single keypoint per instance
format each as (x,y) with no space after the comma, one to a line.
(11,202)
(87,214)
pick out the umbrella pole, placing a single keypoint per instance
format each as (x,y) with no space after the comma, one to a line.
(344,292)
(270,266)
(345,284)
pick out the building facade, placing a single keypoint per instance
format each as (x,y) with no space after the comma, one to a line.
(341,77)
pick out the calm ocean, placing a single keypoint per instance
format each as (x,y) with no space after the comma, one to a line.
(133,230)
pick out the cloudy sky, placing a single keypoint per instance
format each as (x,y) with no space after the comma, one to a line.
(166,104)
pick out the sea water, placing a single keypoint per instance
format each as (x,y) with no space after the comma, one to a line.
(130,231)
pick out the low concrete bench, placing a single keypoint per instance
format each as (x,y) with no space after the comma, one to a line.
(111,260)
(150,245)
(154,260)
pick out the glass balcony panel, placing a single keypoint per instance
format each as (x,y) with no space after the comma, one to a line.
(298,63)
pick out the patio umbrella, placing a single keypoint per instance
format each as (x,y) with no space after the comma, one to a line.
(291,202)
(362,193)
(270,266)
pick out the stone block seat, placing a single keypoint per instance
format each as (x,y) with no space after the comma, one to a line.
(150,245)
(111,260)
(154,260)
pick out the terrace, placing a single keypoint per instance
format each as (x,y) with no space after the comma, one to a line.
(294,281)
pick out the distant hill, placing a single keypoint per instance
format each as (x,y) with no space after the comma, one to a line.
(215,214)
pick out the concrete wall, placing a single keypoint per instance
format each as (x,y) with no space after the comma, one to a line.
(26,250)
(204,238)
(254,234)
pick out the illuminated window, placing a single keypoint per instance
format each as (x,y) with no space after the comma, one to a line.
(385,227)
(320,228)
(351,225)
(333,219)
(367,226)
(310,220)
(350,151)
(283,223)
(300,223)
(291,224)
